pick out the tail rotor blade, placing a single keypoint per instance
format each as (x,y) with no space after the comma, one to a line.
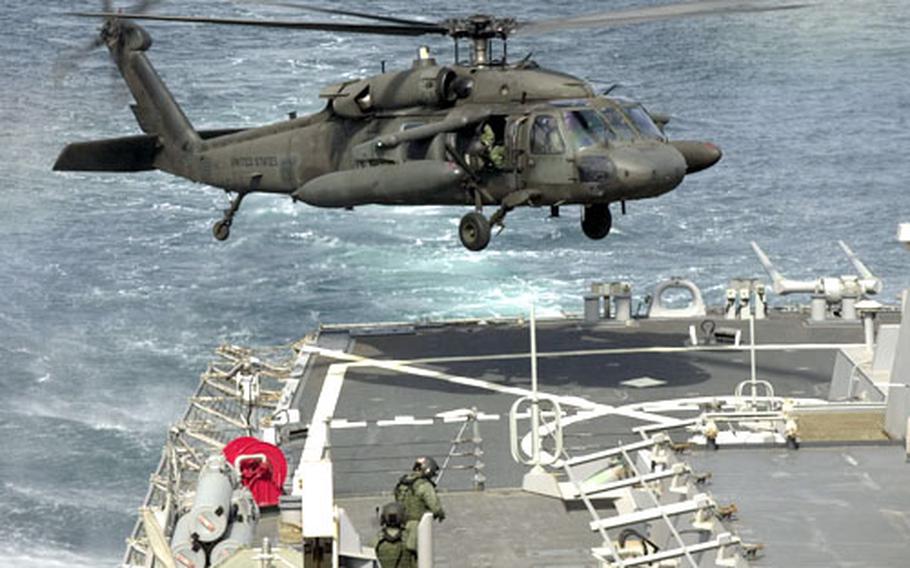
(65,64)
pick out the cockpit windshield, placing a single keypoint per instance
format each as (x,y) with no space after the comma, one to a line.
(618,123)
(644,123)
(586,128)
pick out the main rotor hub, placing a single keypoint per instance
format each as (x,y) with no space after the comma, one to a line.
(480,26)
(480,29)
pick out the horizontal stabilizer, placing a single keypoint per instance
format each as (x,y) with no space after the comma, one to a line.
(127,154)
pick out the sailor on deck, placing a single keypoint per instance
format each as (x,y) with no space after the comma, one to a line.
(391,548)
(416,491)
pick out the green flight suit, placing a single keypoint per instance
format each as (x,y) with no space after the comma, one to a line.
(391,549)
(495,153)
(417,494)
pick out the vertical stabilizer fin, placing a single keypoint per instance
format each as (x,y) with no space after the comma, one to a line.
(156,109)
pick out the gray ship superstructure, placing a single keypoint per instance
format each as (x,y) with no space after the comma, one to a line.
(632,435)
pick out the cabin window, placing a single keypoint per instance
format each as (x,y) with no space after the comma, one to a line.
(545,136)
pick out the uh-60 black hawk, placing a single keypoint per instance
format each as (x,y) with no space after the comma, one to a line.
(487,131)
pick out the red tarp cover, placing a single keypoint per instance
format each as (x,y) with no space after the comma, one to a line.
(264,478)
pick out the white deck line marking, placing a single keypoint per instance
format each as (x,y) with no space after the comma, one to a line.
(406,421)
(325,407)
(484,417)
(342,423)
(632,351)
(454,415)
(643,382)
(575,401)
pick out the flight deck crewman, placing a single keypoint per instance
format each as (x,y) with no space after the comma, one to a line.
(495,153)
(416,491)
(391,549)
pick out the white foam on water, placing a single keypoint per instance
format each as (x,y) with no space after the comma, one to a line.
(34,556)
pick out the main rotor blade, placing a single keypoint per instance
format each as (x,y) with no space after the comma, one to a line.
(335,11)
(651,14)
(285,24)
(141,7)
(64,64)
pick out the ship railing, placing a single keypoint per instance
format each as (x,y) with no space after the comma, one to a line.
(236,396)
(675,507)
(475,443)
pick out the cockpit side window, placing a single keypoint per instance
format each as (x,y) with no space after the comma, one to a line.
(545,136)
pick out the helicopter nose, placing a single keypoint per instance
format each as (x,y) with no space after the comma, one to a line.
(699,155)
(646,171)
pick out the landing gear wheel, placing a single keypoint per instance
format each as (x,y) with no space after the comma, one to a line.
(474,231)
(221,230)
(596,221)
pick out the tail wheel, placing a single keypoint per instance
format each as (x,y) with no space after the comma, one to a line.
(596,221)
(221,230)
(474,231)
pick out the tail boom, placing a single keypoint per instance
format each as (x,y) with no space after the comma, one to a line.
(156,109)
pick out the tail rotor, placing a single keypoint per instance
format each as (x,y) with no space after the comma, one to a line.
(68,62)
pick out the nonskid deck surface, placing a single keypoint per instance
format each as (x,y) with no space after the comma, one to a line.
(498,527)
(389,401)
(819,506)
(395,393)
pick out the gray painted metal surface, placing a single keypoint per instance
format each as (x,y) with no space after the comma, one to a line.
(899,403)
(401,395)
(823,506)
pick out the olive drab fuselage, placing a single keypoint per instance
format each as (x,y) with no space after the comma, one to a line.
(283,157)
(479,134)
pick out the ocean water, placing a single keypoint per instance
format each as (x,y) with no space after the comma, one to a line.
(113,292)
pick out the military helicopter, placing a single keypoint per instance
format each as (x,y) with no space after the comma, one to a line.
(482,131)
